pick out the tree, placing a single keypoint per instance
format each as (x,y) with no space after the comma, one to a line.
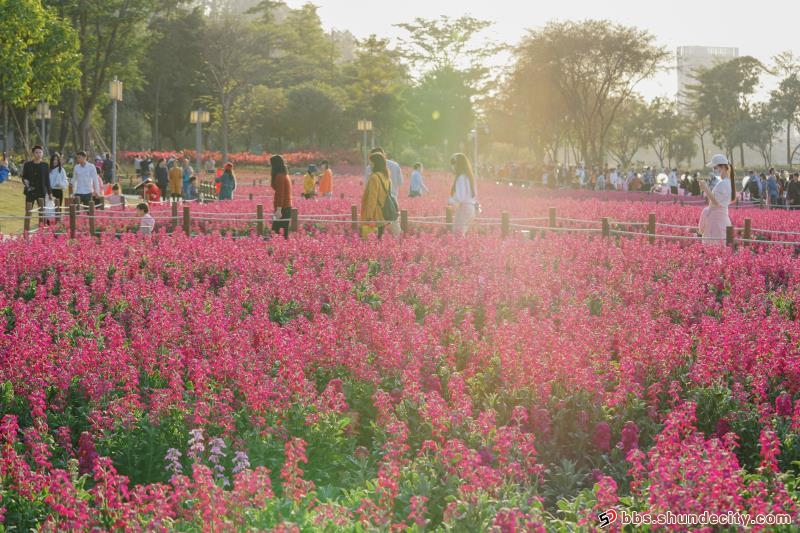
(596,65)
(231,63)
(376,83)
(302,50)
(629,132)
(314,113)
(39,51)
(785,100)
(259,116)
(445,44)
(442,104)
(721,95)
(662,124)
(112,39)
(171,87)
(760,127)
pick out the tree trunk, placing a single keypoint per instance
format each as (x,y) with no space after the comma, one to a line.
(789,143)
(5,127)
(741,155)
(156,133)
(702,148)
(27,131)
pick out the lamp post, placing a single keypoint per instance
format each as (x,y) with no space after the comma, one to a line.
(115,92)
(198,118)
(474,135)
(365,126)
(43,113)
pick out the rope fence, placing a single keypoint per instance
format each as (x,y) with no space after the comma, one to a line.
(189,222)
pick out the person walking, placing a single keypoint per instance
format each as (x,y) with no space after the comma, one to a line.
(282,202)
(227,183)
(58,182)
(417,184)
(375,195)
(85,181)
(36,182)
(714,218)
(310,182)
(463,193)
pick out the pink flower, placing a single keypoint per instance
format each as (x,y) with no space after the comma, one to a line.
(784,405)
(630,437)
(602,436)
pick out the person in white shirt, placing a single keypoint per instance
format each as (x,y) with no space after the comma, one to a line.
(146,223)
(58,182)
(417,185)
(673,181)
(85,181)
(463,194)
(714,219)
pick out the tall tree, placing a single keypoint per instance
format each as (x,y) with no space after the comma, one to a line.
(662,127)
(231,62)
(596,66)
(39,51)
(630,132)
(759,129)
(113,38)
(722,96)
(170,87)
(785,100)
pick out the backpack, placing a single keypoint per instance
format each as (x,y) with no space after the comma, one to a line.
(752,188)
(390,208)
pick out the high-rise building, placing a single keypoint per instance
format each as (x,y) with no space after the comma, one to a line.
(690,58)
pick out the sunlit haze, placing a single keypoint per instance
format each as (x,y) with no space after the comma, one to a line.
(761,30)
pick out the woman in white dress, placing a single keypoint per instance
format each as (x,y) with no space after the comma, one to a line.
(714,219)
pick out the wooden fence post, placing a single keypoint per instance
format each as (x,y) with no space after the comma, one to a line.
(174,216)
(73,220)
(448,218)
(748,228)
(729,236)
(91,217)
(354,218)
(552,217)
(651,227)
(260,220)
(404,221)
(293,224)
(505,224)
(606,227)
(187,221)
(27,223)
(251,197)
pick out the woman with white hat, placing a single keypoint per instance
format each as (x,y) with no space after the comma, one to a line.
(714,219)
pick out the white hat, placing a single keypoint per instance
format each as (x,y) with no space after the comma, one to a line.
(718,159)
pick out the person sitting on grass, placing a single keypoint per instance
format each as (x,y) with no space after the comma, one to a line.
(151,192)
(146,222)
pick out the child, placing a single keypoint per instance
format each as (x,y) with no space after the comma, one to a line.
(191,189)
(310,183)
(147,223)
(116,199)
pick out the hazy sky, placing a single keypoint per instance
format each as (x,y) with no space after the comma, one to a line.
(760,29)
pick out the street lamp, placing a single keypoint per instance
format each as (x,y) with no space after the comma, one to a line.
(365,126)
(43,113)
(115,92)
(199,118)
(474,135)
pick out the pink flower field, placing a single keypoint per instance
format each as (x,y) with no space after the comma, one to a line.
(418,383)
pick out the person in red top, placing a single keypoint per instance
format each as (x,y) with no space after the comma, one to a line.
(151,192)
(283,195)
(326,181)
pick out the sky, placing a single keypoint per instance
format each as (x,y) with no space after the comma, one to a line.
(761,29)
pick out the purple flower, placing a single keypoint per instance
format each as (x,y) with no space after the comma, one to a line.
(783,404)
(602,436)
(630,436)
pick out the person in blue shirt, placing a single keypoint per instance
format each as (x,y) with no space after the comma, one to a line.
(417,184)
(772,187)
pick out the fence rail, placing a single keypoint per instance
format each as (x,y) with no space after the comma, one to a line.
(532,226)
